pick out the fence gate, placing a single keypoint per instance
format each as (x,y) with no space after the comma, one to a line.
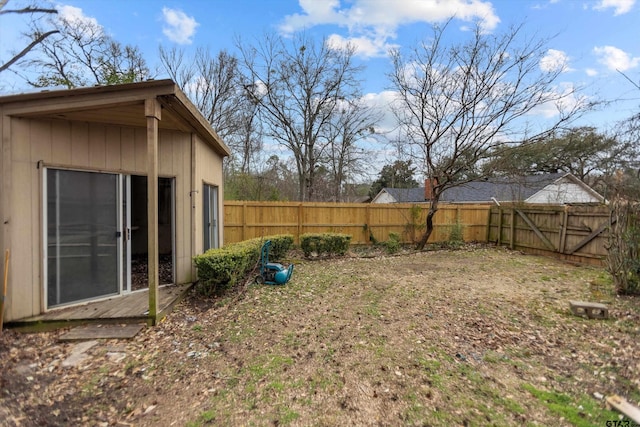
(575,233)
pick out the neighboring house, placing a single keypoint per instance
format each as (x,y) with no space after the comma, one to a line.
(559,188)
(92,178)
(400,195)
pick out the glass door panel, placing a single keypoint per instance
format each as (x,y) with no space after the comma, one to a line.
(82,236)
(210,217)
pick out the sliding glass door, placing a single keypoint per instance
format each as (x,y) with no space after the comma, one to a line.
(83,238)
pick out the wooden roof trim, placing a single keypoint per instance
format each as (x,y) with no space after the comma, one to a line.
(185,109)
(70,100)
(149,86)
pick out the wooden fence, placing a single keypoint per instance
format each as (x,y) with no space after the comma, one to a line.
(573,233)
(365,222)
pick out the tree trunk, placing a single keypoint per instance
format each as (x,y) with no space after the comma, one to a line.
(433,208)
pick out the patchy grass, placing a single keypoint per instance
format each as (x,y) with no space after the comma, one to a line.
(476,336)
(583,412)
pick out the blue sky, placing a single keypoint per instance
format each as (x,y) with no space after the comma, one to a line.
(594,40)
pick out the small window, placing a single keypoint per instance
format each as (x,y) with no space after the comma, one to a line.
(210,217)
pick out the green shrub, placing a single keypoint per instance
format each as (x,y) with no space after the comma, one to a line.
(456,235)
(224,267)
(281,244)
(324,244)
(393,244)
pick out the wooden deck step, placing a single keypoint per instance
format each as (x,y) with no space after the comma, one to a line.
(131,308)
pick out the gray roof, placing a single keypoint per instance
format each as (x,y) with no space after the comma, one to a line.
(406,195)
(503,189)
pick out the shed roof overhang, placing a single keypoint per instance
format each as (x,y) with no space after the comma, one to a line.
(122,105)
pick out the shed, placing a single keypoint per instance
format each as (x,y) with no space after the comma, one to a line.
(105,190)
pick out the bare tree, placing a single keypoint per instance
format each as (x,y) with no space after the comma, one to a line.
(456,104)
(35,37)
(82,54)
(214,85)
(248,137)
(211,83)
(352,123)
(298,86)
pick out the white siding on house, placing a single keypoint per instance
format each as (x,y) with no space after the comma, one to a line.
(561,192)
(384,197)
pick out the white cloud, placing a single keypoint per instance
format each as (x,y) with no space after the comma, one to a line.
(179,27)
(555,60)
(565,98)
(615,59)
(364,46)
(378,21)
(621,6)
(75,15)
(382,102)
(316,13)
(591,72)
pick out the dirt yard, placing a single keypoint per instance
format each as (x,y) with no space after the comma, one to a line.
(478,336)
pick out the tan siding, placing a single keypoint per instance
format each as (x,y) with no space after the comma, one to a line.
(113,149)
(24,287)
(172,147)
(40,142)
(37,296)
(209,171)
(20,292)
(20,148)
(79,146)
(97,147)
(79,142)
(183,210)
(61,142)
(165,154)
(5,200)
(127,149)
(140,150)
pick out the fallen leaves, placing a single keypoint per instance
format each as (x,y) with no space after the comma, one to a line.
(347,341)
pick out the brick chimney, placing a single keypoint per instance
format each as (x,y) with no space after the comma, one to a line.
(429,184)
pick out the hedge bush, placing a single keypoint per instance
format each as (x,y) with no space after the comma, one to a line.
(224,267)
(393,245)
(324,244)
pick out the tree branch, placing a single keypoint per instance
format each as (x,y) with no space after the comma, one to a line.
(26,10)
(26,50)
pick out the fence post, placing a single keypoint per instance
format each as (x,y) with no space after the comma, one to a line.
(499,239)
(512,232)
(563,230)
